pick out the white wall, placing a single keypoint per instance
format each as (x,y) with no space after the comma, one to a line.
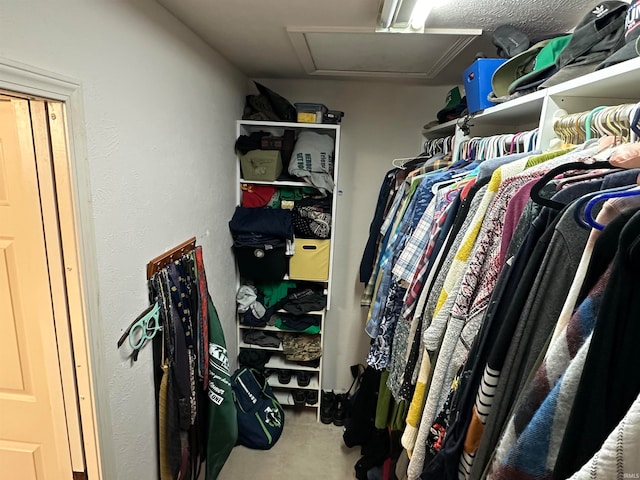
(382,121)
(160,109)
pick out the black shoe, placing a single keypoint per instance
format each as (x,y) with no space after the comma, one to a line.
(340,410)
(299,398)
(304,378)
(309,363)
(284,376)
(327,405)
(312,397)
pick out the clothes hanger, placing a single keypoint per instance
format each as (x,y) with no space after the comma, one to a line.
(533,140)
(498,146)
(581,133)
(600,125)
(583,177)
(580,202)
(405,161)
(395,161)
(148,322)
(633,192)
(588,121)
(554,172)
(560,129)
(464,151)
(458,186)
(484,144)
(515,141)
(635,120)
(453,179)
(625,120)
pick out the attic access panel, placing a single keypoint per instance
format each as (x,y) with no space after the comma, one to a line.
(368,53)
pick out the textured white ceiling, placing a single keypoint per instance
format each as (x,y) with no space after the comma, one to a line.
(252,34)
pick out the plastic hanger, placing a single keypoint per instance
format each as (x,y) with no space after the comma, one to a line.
(533,140)
(457,187)
(405,161)
(515,143)
(578,213)
(588,121)
(580,127)
(453,179)
(583,177)
(624,117)
(554,172)
(399,162)
(560,128)
(635,120)
(600,124)
(148,322)
(634,192)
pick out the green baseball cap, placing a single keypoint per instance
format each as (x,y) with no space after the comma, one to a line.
(454,103)
(544,64)
(538,60)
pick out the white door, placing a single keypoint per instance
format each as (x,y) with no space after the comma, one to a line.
(34,442)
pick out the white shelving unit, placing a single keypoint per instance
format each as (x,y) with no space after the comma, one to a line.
(278,361)
(614,85)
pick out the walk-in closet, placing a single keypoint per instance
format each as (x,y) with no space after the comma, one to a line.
(371,240)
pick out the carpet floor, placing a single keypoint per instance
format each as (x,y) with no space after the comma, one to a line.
(306,450)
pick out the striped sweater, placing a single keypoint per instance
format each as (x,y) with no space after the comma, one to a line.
(532,437)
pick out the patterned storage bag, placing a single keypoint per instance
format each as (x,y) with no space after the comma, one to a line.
(311,217)
(260,416)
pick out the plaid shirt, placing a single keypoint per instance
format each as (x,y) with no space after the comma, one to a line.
(407,263)
(436,163)
(406,266)
(370,289)
(418,280)
(393,225)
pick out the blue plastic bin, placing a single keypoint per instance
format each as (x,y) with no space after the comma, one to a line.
(477,82)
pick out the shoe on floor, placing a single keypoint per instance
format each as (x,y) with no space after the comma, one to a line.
(304,378)
(312,397)
(327,405)
(340,409)
(284,376)
(299,398)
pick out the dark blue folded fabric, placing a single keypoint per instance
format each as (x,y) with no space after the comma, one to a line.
(257,240)
(274,222)
(299,322)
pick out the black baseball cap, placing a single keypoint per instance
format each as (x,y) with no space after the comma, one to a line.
(598,34)
(631,35)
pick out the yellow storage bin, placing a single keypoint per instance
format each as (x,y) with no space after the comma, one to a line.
(311,260)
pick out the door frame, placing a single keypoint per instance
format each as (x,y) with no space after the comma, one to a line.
(81,276)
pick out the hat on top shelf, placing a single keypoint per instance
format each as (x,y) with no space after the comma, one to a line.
(510,41)
(456,104)
(630,49)
(565,57)
(595,38)
(530,68)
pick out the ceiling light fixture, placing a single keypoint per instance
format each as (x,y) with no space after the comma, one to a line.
(421,11)
(404,15)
